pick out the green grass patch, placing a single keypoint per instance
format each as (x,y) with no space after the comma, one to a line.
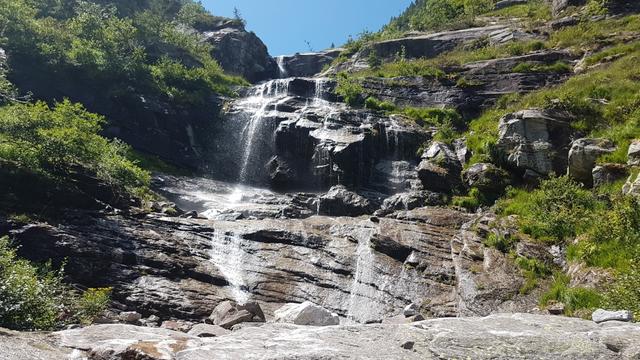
(574,299)
(531,67)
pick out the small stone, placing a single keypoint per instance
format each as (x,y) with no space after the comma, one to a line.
(229,313)
(600,316)
(411,310)
(206,330)
(130,317)
(408,345)
(180,326)
(556,308)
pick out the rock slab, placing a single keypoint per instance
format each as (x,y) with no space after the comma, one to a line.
(306,313)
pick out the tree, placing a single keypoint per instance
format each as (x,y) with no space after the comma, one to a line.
(237,15)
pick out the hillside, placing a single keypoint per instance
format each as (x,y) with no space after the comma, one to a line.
(171,191)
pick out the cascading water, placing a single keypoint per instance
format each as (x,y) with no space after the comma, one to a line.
(257,107)
(282,70)
(227,255)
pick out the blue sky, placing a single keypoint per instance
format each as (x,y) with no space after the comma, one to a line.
(285,25)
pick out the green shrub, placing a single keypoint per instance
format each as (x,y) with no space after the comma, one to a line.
(91,305)
(574,299)
(533,270)
(529,67)
(375,104)
(54,141)
(500,242)
(624,294)
(30,298)
(349,89)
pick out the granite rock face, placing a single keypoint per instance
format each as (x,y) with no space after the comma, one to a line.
(583,156)
(503,336)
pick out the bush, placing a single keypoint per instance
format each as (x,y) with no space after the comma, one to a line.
(55,141)
(91,305)
(574,299)
(349,89)
(532,270)
(625,292)
(500,242)
(375,104)
(30,298)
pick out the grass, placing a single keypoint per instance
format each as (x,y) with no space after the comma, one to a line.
(574,299)
(533,271)
(532,67)
(532,11)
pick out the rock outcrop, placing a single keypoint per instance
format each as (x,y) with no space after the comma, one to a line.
(535,141)
(487,178)
(516,336)
(240,52)
(306,64)
(440,168)
(634,153)
(306,313)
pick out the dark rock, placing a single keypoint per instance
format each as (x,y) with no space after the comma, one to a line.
(411,310)
(391,248)
(609,173)
(410,201)
(408,345)
(440,169)
(564,22)
(341,202)
(583,156)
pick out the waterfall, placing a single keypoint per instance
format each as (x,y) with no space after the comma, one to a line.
(282,70)
(362,300)
(228,256)
(256,106)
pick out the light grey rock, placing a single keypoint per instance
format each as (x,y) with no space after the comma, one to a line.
(583,156)
(609,173)
(229,313)
(306,313)
(556,308)
(500,336)
(206,330)
(535,140)
(177,325)
(411,310)
(306,64)
(634,153)
(632,186)
(129,317)
(600,316)
(339,201)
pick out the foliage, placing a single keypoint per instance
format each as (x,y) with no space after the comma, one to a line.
(529,67)
(533,270)
(35,298)
(574,299)
(535,10)
(349,89)
(500,242)
(375,104)
(55,141)
(625,292)
(91,304)
(30,298)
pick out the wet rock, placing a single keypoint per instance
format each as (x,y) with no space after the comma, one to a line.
(634,153)
(583,156)
(306,313)
(229,313)
(488,178)
(609,173)
(206,330)
(440,169)
(281,174)
(130,317)
(392,177)
(339,201)
(600,316)
(535,140)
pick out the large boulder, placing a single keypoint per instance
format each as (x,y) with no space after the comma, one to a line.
(339,201)
(306,313)
(488,178)
(535,140)
(229,313)
(440,168)
(410,200)
(634,153)
(583,156)
(241,52)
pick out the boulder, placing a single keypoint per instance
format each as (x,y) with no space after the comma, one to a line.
(130,317)
(177,325)
(535,140)
(556,308)
(583,156)
(609,173)
(306,313)
(487,178)
(634,153)
(339,201)
(600,316)
(206,330)
(229,313)
(440,168)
